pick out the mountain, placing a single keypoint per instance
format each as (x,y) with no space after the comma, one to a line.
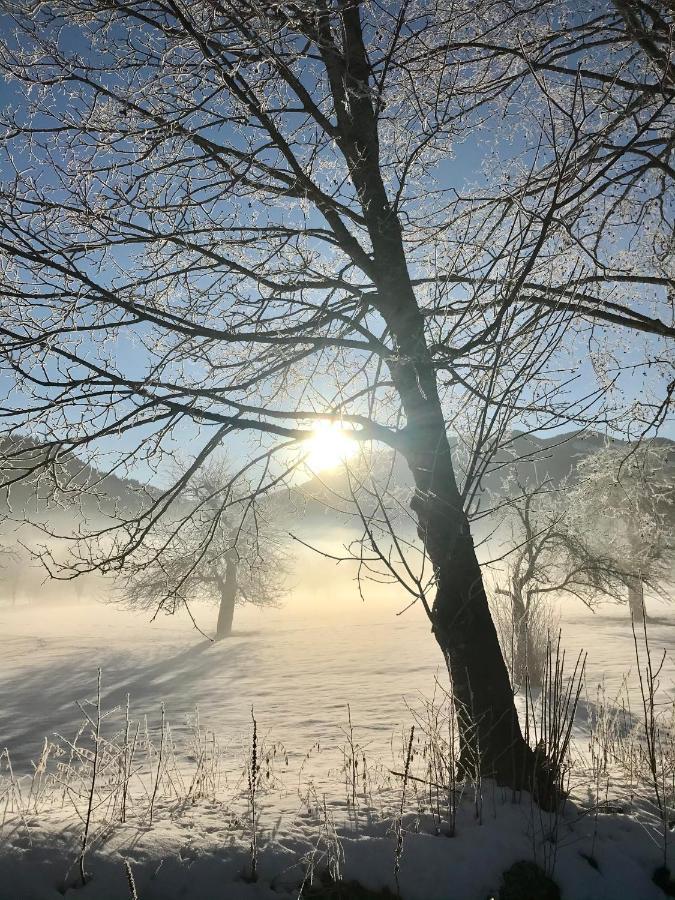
(322,501)
(64,488)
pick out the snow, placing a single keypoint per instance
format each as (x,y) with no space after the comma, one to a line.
(298,668)
(203,851)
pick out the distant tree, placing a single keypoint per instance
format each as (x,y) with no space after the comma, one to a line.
(221,549)
(553,555)
(626,501)
(10,572)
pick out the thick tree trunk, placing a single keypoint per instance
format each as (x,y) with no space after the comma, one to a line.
(488,722)
(636,599)
(489,729)
(490,735)
(228,595)
(491,740)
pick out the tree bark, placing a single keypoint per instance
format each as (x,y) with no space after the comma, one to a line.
(228,595)
(636,599)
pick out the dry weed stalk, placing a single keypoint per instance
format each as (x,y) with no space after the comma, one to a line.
(551,717)
(399,821)
(133,893)
(94,772)
(253,774)
(160,762)
(659,745)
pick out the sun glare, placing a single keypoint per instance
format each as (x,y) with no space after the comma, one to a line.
(329,446)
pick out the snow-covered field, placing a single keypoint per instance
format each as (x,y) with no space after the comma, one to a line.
(304,670)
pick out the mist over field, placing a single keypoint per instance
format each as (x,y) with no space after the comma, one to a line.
(331,643)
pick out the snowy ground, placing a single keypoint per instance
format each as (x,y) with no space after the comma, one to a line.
(298,668)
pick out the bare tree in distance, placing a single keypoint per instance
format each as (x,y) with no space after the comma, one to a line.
(216,548)
(627,498)
(229,221)
(554,555)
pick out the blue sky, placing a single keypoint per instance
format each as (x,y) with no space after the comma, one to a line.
(459,170)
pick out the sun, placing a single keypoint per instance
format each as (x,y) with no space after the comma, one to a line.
(329,446)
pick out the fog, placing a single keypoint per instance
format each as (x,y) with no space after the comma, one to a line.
(298,666)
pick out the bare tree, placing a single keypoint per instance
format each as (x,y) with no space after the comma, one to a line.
(226,220)
(553,556)
(214,548)
(627,498)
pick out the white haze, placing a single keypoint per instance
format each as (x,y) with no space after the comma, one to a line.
(298,666)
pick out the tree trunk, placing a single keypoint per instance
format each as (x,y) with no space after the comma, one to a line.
(489,730)
(228,595)
(491,740)
(521,636)
(490,735)
(636,599)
